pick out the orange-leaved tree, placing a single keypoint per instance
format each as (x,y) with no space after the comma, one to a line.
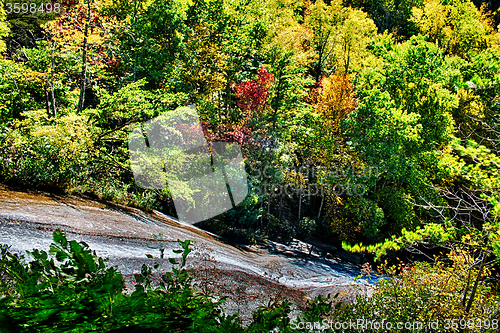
(336,99)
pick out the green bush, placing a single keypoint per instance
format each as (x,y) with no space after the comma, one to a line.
(70,289)
(53,153)
(79,294)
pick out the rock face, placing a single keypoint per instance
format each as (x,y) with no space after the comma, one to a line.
(348,256)
(322,245)
(125,235)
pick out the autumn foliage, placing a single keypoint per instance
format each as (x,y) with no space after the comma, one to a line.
(252,95)
(381,115)
(335,97)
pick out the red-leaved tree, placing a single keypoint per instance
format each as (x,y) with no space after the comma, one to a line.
(252,95)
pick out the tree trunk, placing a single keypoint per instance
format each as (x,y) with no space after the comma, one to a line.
(321,205)
(52,97)
(84,60)
(329,210)
(474,288)
(268,212)
(134,21)
(464,297)
(281,205)
(262,215)
(278,98)
(300,203)
(47,104)
(135,66)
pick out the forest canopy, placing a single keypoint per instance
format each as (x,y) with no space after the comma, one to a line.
(373,125)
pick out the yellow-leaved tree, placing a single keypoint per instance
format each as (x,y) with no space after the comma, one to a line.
(458,27)
(324,20)
(4,29)
(355,32)
(337,98)
(83,39)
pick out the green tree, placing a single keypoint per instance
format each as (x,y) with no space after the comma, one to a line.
(457,26)
(402,121)
(323,20)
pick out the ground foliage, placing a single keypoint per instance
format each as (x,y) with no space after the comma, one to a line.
(70,289)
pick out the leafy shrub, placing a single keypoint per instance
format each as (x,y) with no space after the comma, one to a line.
(359,217)
(39,151)
(63,154)
(425,292)
(76,292)
(432,233)
(79,294)
(307,226)
(273,317)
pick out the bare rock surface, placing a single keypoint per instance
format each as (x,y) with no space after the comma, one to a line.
(248,276)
